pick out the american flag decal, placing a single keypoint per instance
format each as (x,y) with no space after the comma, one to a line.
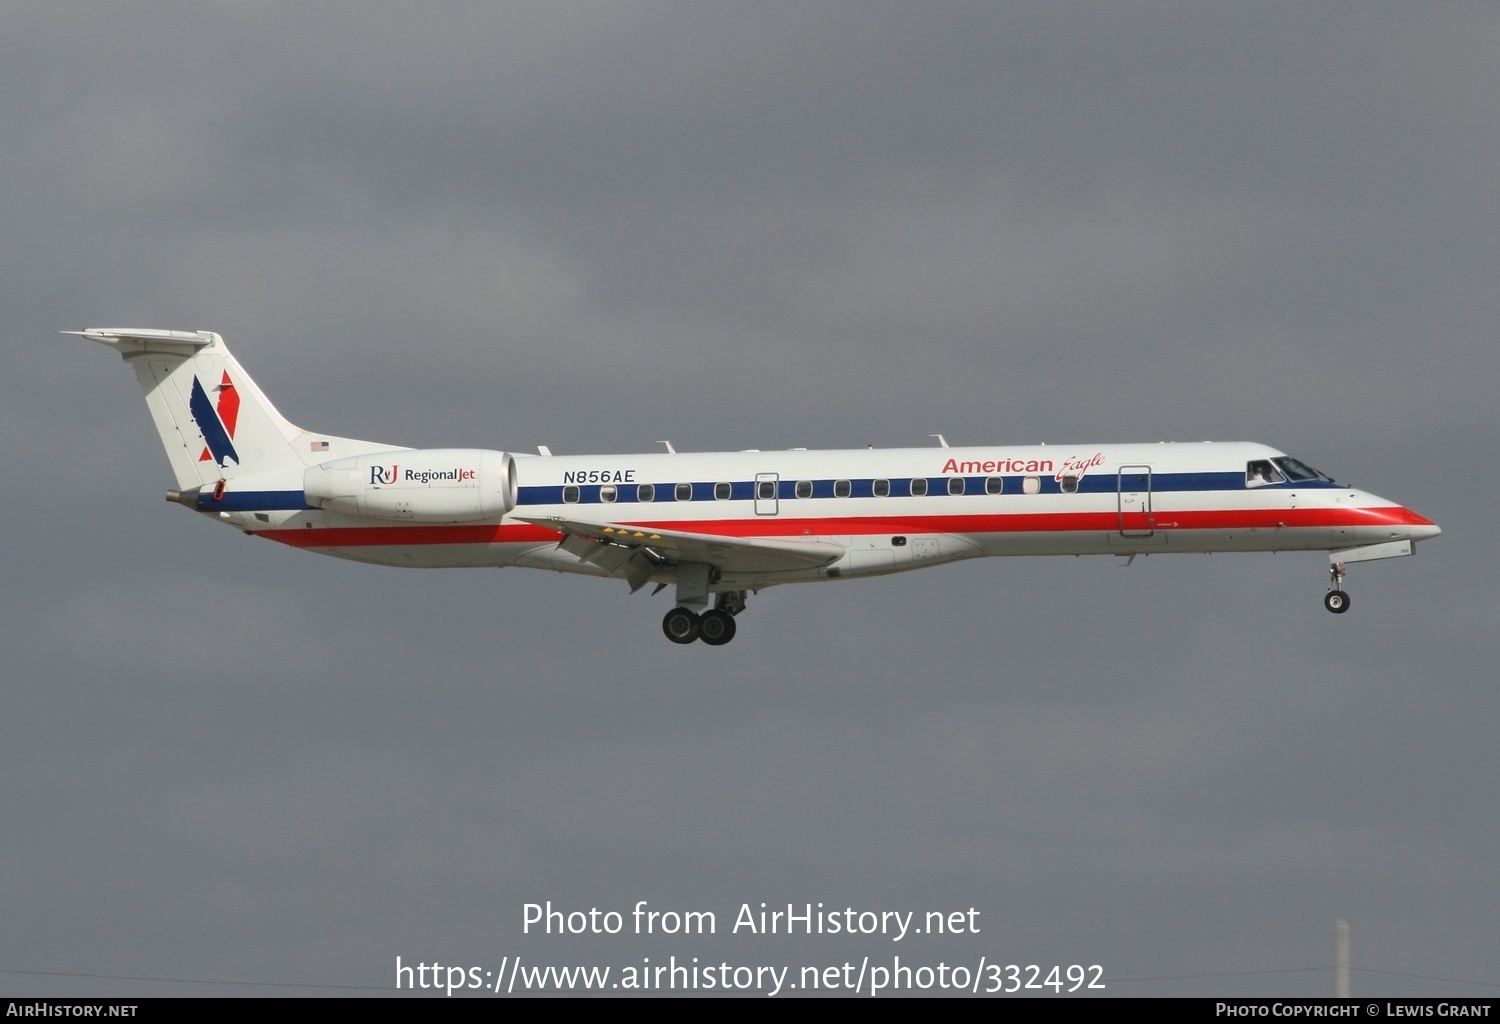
(320,446)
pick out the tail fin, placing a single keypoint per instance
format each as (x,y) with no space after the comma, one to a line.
(214,422)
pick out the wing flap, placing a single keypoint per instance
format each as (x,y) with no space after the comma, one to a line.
(727,554)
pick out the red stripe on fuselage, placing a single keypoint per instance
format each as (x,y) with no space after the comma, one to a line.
(390,536)
(1025,522)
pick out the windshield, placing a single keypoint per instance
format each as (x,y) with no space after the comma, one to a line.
(1296,470)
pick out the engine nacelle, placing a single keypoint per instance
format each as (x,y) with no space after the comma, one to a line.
(435,485)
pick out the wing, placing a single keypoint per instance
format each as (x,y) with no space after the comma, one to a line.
(635,551)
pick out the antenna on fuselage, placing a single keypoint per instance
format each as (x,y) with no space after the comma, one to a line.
(941,439)
(670,449)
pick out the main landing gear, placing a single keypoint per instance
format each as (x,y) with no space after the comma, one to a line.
(714,627)
(1336,600)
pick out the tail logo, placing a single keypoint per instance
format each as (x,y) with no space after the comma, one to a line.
(216,422)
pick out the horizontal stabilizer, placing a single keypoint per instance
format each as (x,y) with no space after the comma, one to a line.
(112,336)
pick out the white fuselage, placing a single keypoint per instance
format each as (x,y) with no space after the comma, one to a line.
(1038,500)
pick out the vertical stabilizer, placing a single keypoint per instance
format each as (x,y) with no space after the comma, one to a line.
(214,422)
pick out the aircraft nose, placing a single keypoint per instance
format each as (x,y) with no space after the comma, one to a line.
(1396,522)
(1424,532)
(1419,527)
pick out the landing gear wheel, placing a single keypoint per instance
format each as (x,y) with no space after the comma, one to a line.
(681,626)
(717,627)
(1336,601)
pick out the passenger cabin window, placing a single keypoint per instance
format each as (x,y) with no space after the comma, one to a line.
(804,488)
(842,489)
(684,492)
(765,490)
(1032,485)
(918,486)
(722,491)
(994,484)
(607,493)
(1069,483)
(645,492)
(955,485)
(881,488)
(1260,472)
(570,494)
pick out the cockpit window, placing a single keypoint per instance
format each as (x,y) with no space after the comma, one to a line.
(1261,472)
(1300,470)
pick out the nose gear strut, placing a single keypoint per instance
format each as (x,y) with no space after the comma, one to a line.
(1336,600)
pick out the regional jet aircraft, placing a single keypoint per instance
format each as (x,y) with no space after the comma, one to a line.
(718,526)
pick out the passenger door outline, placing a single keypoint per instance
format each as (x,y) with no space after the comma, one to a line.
(1136,518)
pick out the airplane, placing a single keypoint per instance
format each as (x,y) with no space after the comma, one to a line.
(719,526)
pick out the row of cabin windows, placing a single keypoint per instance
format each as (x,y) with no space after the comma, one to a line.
(766,490)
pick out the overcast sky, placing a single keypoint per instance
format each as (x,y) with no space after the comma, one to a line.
(751,225)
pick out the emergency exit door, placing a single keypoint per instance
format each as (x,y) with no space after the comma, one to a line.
(767,489)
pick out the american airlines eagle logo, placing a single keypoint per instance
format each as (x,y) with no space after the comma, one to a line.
(216,421)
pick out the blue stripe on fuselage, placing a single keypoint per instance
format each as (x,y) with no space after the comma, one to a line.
(254,501)
(744,490)
(900,487)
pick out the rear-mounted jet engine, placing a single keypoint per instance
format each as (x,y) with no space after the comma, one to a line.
(436,485)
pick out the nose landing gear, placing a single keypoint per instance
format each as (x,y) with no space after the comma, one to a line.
(1336,600)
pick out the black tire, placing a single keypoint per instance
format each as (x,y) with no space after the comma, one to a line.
(681,626)
(1336,601)
(716,628)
